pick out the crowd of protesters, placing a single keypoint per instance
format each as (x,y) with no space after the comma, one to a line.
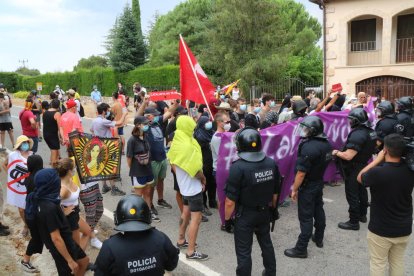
(186,137)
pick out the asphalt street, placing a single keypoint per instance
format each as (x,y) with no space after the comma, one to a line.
(344,252)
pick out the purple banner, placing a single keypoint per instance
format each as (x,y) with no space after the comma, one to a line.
(280,144)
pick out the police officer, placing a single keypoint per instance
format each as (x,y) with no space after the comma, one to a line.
(358,149)
(405,115)
(252,189)
(299,108)
(387,123)
(314,155)
(139,249)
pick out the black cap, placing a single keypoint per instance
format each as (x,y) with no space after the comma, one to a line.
(152,111)
(140,120)
(181,110)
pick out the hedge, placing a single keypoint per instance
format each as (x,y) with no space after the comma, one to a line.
(106,79)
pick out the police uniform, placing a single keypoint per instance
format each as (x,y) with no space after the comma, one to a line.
(314,155)
(406,119)
(386,126)
(251,185)
(363,140)
(139,249)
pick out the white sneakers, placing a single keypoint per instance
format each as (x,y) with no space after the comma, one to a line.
(95,242)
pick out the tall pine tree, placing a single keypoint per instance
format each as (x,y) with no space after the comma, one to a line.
(127,51)
(136,12)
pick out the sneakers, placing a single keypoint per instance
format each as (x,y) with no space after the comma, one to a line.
(163,204)
(95,242)
(204,218)
(197,256)
(153,210)
(28,267)
(207,212)
(4,232)
(115,191)
(105,189)
(155,218)
(184,245)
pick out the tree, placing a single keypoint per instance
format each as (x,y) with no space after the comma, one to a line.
(127,50)
(27,72)
(90,62)
(189,19)
(136,11)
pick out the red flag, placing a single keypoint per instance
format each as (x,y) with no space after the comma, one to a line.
(194,83)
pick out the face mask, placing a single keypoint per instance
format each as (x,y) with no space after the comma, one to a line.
(378,112)
(272,104)
(222,97)
(208,125)
(257,110)
(243,107)
(156,119)
(108,114)
(95,89)
(227,127)
(145,128)
(25,147)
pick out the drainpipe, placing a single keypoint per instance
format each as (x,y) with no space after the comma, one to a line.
(322,6)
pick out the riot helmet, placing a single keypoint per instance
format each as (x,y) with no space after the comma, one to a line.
(404,103)
(385,108)
(299,107)
(311,126)
(132,214)
(358,116)
(249,145)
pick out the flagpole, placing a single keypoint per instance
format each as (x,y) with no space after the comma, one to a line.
(195,75)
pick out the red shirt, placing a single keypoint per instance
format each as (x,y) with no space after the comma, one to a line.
(25,116)
(70,122)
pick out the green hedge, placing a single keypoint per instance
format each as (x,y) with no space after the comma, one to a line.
(160,78)
(21,94)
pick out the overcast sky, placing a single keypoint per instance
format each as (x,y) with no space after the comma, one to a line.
(52,35)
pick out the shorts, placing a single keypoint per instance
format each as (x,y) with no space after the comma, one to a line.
(37,119)
(195,202)
(176,187)
(139,182)
(73,219)
(120,130)
(6,126)
(61,265)
(52,142)
(159,169)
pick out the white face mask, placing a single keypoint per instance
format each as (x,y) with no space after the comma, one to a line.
(227,127)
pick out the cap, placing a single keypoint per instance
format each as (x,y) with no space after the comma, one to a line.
(70,103)
(21,139)
(151,111)
(181,110)
(71,92)
(140,120)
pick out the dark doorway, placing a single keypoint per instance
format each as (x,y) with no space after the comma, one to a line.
(390,87)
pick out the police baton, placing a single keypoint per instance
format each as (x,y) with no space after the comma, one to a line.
(272,228)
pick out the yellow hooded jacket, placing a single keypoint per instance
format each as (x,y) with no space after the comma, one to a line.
(185,152)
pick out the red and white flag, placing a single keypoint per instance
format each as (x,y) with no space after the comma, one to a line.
(194,83)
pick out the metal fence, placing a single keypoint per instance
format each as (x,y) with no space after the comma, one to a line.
(390,87)
(282,87)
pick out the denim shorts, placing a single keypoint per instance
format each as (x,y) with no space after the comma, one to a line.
(142,181)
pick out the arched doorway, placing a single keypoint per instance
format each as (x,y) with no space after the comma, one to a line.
(390,87)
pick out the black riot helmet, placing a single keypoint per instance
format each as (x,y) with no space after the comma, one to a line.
(132,214)
(311,126)
(405,103)
(358,116)
(249,145)
(299,107)
(385,108)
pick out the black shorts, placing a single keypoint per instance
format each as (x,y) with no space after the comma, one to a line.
(176,187)
(120,130)
(73,219)
(52,141)
(195,202)
(62,266)
(6,126)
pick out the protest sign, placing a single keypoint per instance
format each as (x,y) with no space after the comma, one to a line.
(164,95)
(96,158)
(16,174)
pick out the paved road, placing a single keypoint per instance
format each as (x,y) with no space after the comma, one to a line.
(344,252)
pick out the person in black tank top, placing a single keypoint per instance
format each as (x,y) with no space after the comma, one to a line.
(51,119)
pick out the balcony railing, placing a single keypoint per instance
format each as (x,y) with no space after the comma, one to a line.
(364,53)
(405,50)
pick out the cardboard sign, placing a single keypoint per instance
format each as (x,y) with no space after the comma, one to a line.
(336,87)
(39,86)
(164,95)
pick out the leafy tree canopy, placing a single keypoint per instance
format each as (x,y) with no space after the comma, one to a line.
(27,72)
(90,62)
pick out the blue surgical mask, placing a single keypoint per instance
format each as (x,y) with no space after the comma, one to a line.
(145,128)
(257,109)
(222,97)
(25,146)
(108,113)
(243,107)
(272,104)
(208,125)
(156,119)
